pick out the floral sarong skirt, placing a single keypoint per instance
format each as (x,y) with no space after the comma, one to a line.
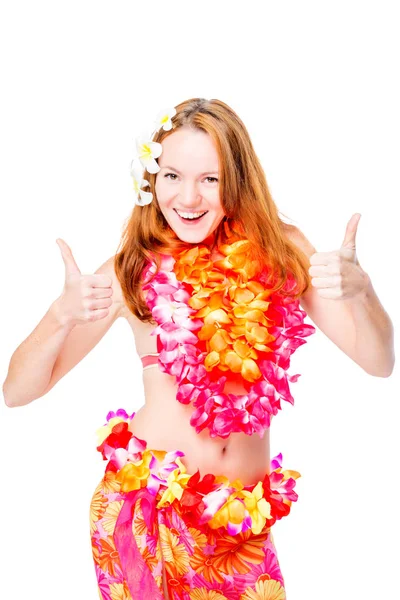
(159,532)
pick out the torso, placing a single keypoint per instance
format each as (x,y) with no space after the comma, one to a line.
(164,423)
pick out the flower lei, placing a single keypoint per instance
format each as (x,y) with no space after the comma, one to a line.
(212,500)
(218,320)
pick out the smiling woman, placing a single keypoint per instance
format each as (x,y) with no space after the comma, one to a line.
(210,281)
(194,517)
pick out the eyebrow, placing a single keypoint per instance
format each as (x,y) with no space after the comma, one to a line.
(173,169)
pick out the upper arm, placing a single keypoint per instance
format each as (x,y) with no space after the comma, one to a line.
(332,317)
(84,337)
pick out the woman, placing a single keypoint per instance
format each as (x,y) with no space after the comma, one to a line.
(210,280)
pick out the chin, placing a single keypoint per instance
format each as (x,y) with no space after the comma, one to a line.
(193,235)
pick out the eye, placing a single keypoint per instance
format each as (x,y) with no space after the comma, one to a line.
(174,175)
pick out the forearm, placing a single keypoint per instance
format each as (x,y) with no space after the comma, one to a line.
(374,335)
(32,363)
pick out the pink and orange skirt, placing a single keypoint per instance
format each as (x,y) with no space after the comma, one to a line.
(158,531)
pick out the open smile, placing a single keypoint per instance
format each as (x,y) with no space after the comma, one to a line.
(188,218)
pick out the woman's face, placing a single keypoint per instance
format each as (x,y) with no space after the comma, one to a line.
(188,184)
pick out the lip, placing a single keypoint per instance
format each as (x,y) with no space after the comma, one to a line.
(194,221)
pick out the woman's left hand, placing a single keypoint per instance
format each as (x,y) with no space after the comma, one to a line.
(337,274)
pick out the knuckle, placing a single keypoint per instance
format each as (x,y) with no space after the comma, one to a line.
(87,303)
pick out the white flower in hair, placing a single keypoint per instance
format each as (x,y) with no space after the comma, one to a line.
(148,151)
(142,197)
(164,119)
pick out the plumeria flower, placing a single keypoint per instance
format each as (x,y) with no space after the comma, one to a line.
(164,117)
(142,197)
(148,151)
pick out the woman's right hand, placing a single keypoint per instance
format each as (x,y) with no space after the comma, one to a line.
(84,298)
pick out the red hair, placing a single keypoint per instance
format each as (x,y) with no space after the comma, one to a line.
(244,195)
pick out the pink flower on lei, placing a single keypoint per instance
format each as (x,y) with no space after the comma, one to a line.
(180,356)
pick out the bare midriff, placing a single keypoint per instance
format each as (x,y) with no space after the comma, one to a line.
(164,423)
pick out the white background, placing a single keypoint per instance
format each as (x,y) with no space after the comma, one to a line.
(316,84)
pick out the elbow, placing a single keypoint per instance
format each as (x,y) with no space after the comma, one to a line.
(389,372)
(7,398)
(383,371)
(390,365)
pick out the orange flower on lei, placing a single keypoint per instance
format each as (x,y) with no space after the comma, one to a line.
(231,304)
(220,320)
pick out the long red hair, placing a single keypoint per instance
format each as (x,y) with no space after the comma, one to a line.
(244,195)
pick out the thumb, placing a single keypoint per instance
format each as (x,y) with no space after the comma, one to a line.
(349,240)
(69,261)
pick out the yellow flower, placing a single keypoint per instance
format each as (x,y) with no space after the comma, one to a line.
(104,431)
(176,481)
(133,476)
(265,589)
(258,507)
(233,510)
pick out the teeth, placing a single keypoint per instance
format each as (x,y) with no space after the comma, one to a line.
(190,215)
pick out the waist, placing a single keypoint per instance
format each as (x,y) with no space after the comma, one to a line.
(165,424)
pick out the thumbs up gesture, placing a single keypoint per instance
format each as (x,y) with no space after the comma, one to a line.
(337,274)
(84,297)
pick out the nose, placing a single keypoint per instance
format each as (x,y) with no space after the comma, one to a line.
(189,195)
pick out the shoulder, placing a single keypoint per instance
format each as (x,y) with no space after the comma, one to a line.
(309,299)
(107,268)
(295,235)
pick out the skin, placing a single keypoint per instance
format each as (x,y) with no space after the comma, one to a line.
(192,185)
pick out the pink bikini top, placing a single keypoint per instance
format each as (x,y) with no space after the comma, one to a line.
(149,360)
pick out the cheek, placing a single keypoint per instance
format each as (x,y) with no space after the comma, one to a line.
(218,207)
(162,192)
(159,194)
